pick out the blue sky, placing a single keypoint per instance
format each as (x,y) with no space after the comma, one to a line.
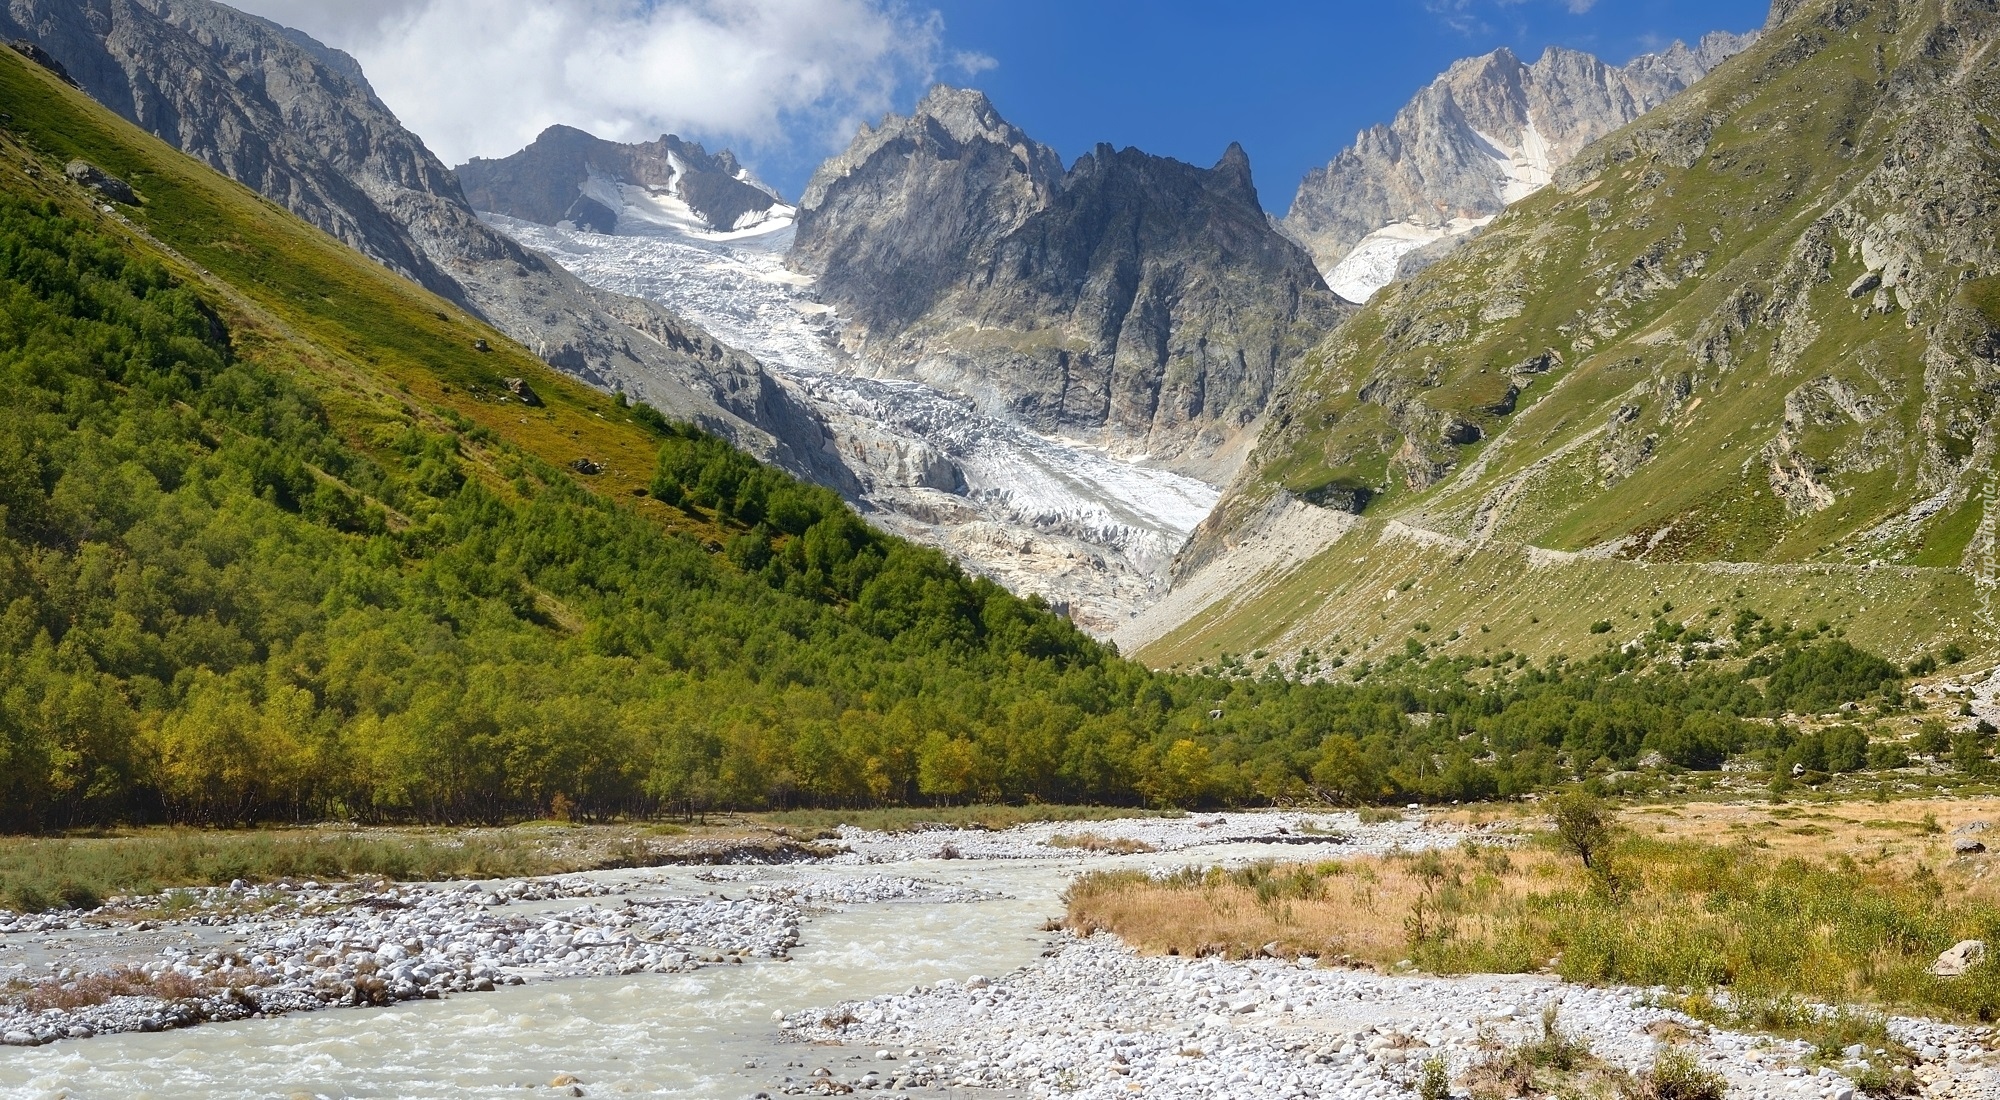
(1293,81)
(785,82)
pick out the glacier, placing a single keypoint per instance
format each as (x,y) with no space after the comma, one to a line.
(1522,167)
(1372,264)
(1091,532)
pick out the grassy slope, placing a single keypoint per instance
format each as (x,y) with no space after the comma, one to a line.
(379,351)
(1623,277)
(1341,601)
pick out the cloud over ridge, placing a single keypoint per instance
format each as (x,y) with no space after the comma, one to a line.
(483,77)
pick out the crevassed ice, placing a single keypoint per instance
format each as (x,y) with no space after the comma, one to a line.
(1036,513)
(1372,264)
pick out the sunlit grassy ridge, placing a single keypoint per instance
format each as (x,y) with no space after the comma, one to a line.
(1675,357)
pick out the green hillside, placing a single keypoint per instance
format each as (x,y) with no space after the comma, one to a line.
(1757,327)
(278,543)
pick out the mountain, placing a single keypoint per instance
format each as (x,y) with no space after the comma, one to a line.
(298,121)
(1490,131)
(567,175)
(1740,356)
(284,534)
(1091,532)
(1133,301)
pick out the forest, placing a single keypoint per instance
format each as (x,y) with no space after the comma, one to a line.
(220,606)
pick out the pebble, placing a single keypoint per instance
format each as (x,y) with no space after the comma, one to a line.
(1339,831)
(1096,1021)
(297,948)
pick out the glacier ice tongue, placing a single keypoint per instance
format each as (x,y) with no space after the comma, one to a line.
(1089,531)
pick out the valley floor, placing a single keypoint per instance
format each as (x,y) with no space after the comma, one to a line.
(913,960)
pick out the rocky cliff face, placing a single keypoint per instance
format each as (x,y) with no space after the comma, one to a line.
(1490,131)
(569,176)
(1133,301)
(298,122)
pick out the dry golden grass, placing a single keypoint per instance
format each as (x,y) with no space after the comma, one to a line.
(1356,911)
(1778,904)
(1903,832)
(95,989)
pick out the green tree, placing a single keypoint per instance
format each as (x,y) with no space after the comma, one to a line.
(1581,825)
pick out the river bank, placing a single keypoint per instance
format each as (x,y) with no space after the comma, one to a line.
(914,960)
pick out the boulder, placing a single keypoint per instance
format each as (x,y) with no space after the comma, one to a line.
(520,388)
(100,181)
(1967,846)
(43,58)
(1961,957)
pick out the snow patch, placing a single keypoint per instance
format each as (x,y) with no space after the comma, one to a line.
(650,211)
(1526,164)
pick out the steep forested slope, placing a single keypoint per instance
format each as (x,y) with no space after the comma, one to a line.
(280,536)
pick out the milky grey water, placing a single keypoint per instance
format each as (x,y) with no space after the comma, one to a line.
(708,1033)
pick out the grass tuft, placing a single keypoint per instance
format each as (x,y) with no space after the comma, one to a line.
(1676,1075)
(40,874)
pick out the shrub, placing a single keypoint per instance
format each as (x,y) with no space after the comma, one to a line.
(1433,1080)
(1677,1075)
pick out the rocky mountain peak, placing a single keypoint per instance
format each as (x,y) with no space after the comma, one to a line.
(1133,300)
(965,113)
(298,122)
(1488,132)
(1233,172)
(569,176)
(944,123)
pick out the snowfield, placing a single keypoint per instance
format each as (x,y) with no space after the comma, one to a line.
(1091,532)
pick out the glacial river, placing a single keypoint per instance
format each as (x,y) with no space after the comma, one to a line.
(708,1033)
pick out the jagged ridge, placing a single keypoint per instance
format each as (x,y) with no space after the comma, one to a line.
(1133,300)
(1490,131)
(297,121)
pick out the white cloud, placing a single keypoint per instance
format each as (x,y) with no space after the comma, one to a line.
(483,77)
(1463,15)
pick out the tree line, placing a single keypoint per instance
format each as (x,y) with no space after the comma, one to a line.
(221,605)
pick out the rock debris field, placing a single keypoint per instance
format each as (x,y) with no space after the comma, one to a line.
(1094,1020)
(1090,1018)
